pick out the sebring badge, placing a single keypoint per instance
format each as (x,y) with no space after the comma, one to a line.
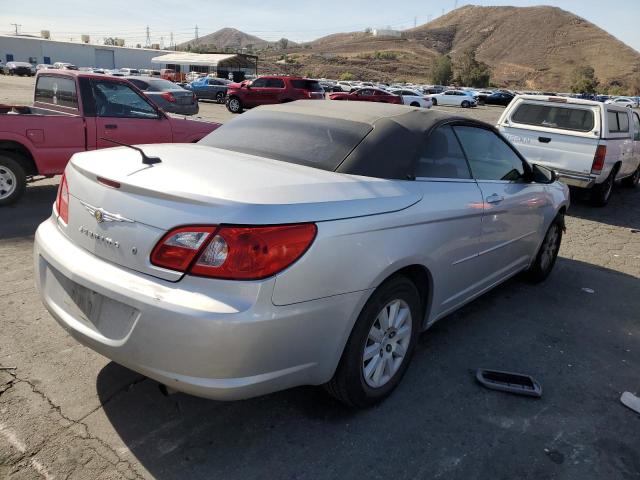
(101,215)
(98,237)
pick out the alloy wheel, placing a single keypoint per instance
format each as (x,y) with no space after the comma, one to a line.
(387,343)
(234,105)
(550,246)
(8,182)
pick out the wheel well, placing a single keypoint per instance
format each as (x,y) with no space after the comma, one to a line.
(24,155)
(415,104)
(421,278)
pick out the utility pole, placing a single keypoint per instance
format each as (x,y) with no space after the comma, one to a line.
(16,25)
(196,32)
(415,22)
(161,43)
(148,37)
(171,42)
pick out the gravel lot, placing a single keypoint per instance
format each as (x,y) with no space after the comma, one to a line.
(69,413)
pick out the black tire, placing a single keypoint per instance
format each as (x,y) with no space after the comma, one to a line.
(220,97)
(435,102)
(348,384)
(465,104)
(633,180)
(601,193)
(548,253)
(414,104)
(13,179)
(234,105)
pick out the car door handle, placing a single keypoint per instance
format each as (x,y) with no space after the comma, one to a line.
(544,139)
(111,126)
(495,198)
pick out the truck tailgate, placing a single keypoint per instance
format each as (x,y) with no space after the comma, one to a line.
(559,151)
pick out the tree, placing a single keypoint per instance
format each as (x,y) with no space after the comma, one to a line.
(583,80)
(283,43)
(470,72)
(441,73)
(346,76)
(110,41)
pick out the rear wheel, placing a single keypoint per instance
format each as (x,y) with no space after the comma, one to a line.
(465,104)
(220,97)
(13,180)
(234,105)
(601,193)
(548,253)
(434,102)
(633,180)
(415,104)
(379,349)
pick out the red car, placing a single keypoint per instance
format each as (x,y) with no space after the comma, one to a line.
(269,90)
(367,95)
(75,111)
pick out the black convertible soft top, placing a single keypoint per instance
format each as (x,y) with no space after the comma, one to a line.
(360,138)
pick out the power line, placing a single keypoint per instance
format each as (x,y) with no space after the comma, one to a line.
(16,25)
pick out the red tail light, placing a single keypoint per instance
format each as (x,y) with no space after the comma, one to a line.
(168,96)
(598,160)
(62,200)
(235,253)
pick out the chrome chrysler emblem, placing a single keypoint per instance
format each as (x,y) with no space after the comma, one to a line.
(101,215)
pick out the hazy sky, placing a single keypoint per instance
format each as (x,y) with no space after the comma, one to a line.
(271,20)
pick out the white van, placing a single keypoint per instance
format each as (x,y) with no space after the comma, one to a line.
(589,144)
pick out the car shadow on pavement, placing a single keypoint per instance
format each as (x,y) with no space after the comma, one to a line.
(22,218)
(623,209)
(583,346)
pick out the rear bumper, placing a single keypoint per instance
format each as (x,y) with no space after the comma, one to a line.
(576,179)
(211,338)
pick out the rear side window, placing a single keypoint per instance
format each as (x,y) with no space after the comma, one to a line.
(311,85)
(553,116)
(275,83)
(57,91)
(636,127)
(442,157)
(489,156)
(618,122)
(301,139)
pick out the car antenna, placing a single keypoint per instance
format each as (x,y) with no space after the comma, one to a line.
(145,158)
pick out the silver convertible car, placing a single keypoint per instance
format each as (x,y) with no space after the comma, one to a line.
(300,244)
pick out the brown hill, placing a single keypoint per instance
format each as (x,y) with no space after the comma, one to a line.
(536,47)
(226,38)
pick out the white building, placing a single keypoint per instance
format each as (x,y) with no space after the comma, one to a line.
(39,50)
(385,32)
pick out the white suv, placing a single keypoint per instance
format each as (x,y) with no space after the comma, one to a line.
(589,144)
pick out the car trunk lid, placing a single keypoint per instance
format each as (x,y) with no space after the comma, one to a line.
(195,185)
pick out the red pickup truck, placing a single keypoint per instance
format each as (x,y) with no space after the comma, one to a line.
(75,111)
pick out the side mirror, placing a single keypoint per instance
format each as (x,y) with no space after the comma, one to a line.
(543,174)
